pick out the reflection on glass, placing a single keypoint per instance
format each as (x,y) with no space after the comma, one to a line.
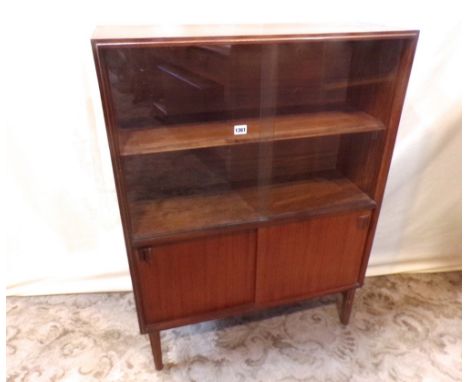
(173,85)
(308,108)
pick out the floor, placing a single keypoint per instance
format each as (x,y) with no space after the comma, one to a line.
(403,328)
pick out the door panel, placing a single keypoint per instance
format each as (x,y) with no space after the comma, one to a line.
(301,258)
(197,276)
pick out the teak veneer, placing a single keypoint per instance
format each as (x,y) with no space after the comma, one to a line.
(213,134)
(320,195)
(250,161)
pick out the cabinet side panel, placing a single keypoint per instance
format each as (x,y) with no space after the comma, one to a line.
(197,276)
(119,180)
(310,256)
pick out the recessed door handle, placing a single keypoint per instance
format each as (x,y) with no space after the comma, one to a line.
(145,254)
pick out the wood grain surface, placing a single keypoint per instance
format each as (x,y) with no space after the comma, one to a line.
(212,134)
(327,192)
(310,255)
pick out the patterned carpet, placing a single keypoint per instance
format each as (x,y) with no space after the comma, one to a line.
(403,328)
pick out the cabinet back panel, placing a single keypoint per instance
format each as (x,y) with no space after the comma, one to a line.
(171,85)
(166,86)
(220,169)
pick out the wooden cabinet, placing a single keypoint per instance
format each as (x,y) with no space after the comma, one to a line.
(250,162)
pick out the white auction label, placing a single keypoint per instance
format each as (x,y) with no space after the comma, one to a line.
(240,129)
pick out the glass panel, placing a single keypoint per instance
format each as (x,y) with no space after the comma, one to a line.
(169,86)
(189,124)
(332,102)
(192,190)
(227,134)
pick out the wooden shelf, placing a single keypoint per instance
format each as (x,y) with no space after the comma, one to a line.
(360,82)
(215,134)
(326,192)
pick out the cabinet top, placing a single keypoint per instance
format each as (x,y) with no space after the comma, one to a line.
(246,32)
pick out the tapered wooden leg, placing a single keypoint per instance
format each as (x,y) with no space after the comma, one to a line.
(346,306)
(155,341)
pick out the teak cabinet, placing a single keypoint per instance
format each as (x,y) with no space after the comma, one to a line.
(250,162)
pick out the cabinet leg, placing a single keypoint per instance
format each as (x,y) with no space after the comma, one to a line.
(155,340)
(346,306)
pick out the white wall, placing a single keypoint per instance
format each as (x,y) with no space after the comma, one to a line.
(64,233)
